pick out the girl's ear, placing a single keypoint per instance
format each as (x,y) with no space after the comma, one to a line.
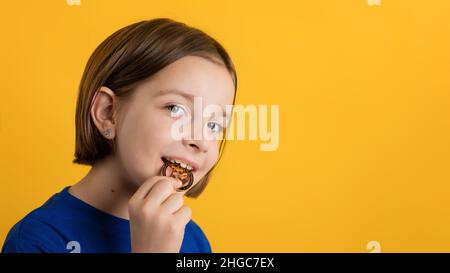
(103,108)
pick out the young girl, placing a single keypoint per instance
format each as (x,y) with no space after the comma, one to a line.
(136,85)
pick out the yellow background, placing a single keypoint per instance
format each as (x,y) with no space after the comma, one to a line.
(364,101)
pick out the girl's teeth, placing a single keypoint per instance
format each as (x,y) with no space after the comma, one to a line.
(182,164)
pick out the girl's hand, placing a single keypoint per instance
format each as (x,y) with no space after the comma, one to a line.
(157,216)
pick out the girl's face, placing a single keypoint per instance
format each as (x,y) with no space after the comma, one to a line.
(144,132)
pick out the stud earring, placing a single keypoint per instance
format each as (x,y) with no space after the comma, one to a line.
(108,132)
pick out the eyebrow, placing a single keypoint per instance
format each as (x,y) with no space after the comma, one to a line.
(184,94)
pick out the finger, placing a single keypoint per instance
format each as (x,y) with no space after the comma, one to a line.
(161,190)
(173,203)
(183,215)
(145,188)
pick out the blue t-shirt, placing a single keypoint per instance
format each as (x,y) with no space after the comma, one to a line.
(67,224)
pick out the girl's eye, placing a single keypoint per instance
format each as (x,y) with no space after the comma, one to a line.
(215,127)
(175,110)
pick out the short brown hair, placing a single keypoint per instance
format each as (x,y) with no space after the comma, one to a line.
(127,58)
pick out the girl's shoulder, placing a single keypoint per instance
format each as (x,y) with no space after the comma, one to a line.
(36,232)
(33,234)
(196,238)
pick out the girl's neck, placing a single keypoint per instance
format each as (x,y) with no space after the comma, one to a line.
(105,189)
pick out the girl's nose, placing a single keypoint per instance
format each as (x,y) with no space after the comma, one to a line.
(197,145)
